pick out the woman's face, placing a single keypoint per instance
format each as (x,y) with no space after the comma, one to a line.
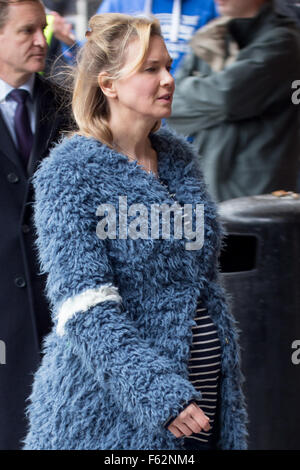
(147,93)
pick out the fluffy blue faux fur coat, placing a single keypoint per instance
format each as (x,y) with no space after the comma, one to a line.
(115,364)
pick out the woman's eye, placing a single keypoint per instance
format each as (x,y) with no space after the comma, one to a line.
(151,69)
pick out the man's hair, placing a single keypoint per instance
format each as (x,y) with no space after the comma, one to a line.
(4,9)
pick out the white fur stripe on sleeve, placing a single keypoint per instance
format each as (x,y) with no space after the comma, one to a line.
(82,302)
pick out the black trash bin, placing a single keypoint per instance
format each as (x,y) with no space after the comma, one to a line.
(260,266)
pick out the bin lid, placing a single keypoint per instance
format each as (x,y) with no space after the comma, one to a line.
(280,206)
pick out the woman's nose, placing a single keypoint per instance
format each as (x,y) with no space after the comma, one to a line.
(167,79)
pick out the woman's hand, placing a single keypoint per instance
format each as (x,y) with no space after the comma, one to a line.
(190,420)
(62,29)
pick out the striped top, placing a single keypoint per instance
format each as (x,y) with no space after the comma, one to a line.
(204,368)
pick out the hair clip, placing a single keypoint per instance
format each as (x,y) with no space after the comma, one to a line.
(88,33)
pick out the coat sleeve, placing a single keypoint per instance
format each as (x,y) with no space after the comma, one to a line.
(86,304)
(260,78)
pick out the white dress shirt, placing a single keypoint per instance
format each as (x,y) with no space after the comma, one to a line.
(8,105)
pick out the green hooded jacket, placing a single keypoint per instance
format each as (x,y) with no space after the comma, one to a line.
(242,118)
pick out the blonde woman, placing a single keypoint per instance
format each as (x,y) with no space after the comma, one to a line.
(143,351)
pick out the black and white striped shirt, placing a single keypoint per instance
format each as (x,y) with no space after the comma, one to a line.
(204,367)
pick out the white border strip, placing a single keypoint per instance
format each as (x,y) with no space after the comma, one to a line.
(83,302)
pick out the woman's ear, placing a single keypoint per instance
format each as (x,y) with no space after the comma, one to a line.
(107,85)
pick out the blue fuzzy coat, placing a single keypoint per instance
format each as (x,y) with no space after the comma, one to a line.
(115,370)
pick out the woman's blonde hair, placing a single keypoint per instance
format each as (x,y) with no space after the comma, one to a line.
(107,40)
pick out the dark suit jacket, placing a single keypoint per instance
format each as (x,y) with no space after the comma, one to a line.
(24,312)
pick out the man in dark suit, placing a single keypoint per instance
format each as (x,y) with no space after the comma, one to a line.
(30,122)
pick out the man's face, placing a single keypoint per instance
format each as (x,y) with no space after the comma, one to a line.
(23,45)
(239,8)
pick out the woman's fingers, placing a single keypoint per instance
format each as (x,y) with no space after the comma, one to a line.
(186,419)
(193,425)
(174,430)
(184,428)
(189,421)
(195,412)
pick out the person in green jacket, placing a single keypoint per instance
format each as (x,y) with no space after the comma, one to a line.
(233,99)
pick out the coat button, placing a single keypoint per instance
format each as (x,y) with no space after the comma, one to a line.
(12,178)
(226,340)
(20,282)
(25,228)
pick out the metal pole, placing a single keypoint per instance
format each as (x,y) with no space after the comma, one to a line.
(82,18)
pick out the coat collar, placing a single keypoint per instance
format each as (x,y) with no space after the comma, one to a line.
(45,126)
(177,168)
(45,122)
(8,147)
(5,88)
